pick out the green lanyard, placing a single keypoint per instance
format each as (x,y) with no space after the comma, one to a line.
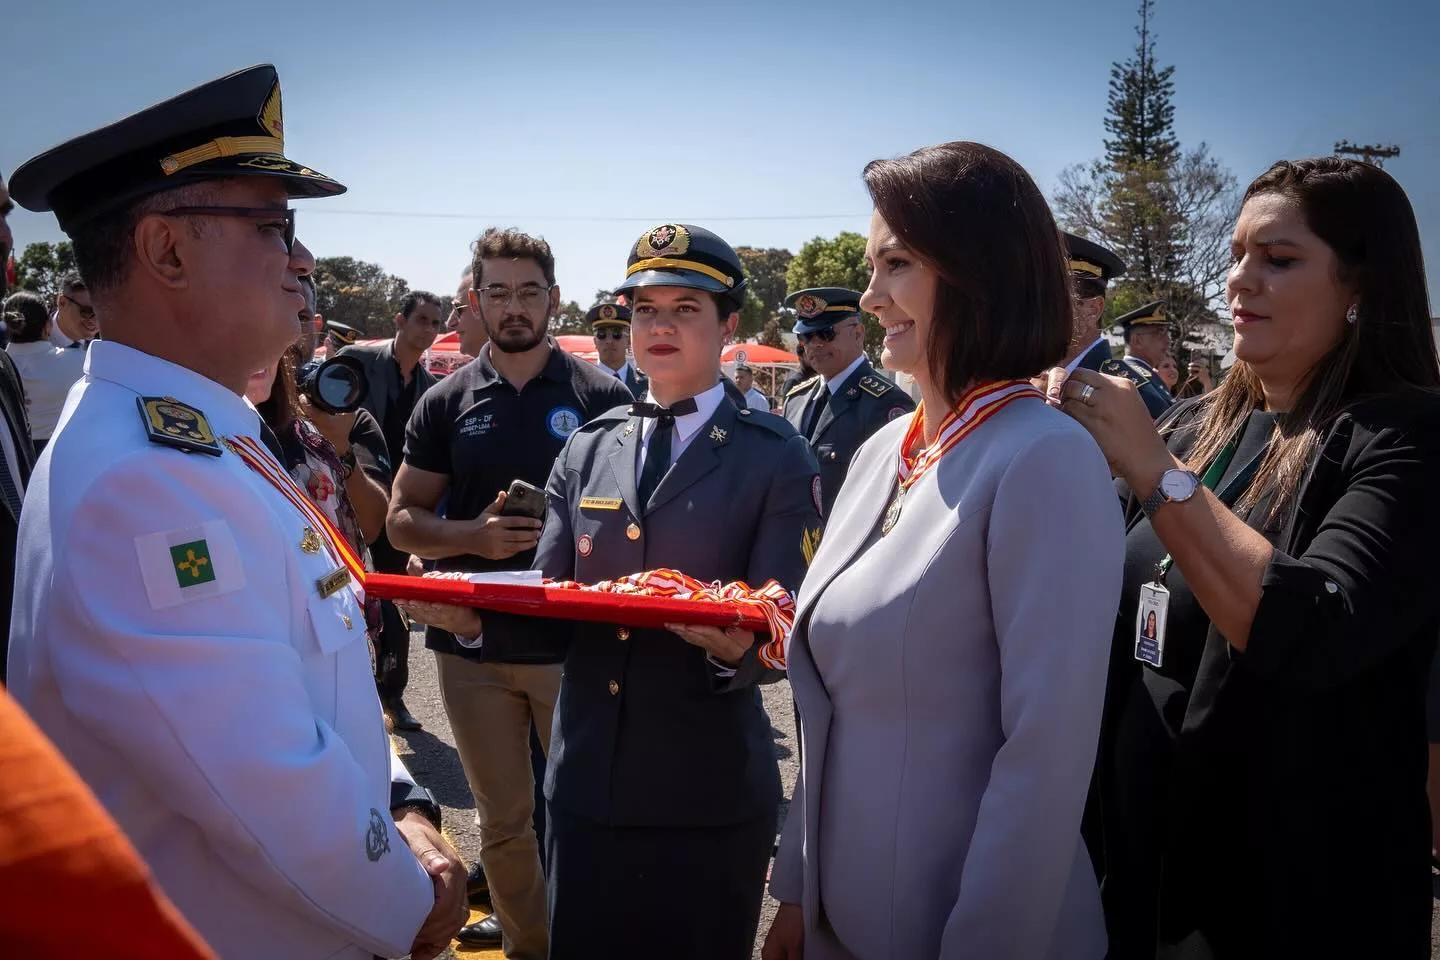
(1227,496)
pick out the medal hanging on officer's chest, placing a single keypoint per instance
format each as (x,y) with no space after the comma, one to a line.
(975,407)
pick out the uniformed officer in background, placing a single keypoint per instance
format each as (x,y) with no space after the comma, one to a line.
(846,401)
(663,785)
(185,631)
(610,326)
(1092,267)
(337,336)
(1147,341)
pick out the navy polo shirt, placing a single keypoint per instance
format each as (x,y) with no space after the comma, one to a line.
(482,433)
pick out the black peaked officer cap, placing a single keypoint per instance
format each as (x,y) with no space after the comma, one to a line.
(822,307)
(1087,260)
(608,315)
(682,255)
(1150,315)
(231,127)
(342,332)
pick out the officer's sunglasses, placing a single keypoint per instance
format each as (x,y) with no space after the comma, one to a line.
(279,217)
(824,336)
(613,333)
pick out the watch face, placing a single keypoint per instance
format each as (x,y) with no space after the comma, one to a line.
(1177,485)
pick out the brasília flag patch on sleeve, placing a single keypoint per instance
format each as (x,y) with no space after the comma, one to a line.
(189,563)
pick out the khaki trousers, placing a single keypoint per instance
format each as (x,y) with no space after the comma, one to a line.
(491,707)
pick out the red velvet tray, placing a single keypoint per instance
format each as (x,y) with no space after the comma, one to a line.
(566,603)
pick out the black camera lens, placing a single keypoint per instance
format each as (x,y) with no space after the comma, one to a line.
(336,385)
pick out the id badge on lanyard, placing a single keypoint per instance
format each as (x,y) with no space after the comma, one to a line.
(1154,606)
(1150,623)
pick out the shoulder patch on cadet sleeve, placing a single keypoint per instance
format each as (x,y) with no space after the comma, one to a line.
(179,425)
(894,413)
(801,387)
(875,386)
(189,563)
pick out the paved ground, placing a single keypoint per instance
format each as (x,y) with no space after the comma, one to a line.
(430,755)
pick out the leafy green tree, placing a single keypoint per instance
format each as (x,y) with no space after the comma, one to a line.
(359,294)
(836,262)
(570,319)
(42,267)
(1166,211)
(765,269)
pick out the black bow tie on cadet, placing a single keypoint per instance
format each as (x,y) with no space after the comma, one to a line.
(657,454)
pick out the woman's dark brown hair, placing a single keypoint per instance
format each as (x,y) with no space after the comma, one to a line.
(1361,213)
(974,216)
(282,407)
(25,317)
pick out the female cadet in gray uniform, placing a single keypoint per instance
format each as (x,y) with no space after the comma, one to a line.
(662,784)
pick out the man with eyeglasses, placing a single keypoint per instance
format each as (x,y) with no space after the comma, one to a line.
(397,380)
(610,328)
(465,321)
(504,416)
(75,323)
(187,629)
(846,401)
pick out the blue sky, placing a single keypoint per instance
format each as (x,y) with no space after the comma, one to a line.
(588,123)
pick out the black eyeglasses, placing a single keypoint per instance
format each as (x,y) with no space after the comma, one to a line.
(824,336)
(280,218)
(611,333)
(87,312)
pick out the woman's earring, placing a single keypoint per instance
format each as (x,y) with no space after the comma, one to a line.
(1352,314)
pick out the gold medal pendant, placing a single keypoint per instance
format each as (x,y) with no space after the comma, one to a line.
(892,512)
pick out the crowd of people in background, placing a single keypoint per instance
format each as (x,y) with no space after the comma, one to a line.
(1090,657)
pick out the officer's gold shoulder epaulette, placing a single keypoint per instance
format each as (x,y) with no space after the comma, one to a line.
(1118,368)
(801,387)
(175,424)
(876,386)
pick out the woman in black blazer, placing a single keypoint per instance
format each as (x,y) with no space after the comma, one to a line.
(1262,770)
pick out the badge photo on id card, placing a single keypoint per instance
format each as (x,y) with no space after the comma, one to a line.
(1150,624)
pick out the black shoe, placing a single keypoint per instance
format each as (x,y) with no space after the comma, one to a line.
(477,888)
(485,933)
(401,718)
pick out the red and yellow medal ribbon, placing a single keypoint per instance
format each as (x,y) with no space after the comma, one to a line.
(772,601)
(257,458)
(979,404)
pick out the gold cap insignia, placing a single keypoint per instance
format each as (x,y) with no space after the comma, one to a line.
(666,240)
(810,306)
(608,312)
(271,117)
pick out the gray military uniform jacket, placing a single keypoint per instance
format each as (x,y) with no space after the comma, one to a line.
(864,403)
(648,731)
(1157,398)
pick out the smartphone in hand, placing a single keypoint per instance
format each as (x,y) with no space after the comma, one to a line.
(524,500)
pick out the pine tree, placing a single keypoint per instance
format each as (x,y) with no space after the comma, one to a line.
(1141,118)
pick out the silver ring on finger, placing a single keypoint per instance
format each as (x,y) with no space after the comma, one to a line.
(1087,394)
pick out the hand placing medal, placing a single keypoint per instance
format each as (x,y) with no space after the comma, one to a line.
(1111,409)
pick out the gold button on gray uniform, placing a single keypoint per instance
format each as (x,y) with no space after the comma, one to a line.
(614,688)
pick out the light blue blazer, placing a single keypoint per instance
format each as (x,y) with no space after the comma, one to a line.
(950,681)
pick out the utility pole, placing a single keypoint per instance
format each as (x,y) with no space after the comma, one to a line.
(1374,153)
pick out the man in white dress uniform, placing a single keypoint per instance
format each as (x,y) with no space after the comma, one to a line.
(185,629)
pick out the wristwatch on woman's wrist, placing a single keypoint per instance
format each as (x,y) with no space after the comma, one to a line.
(1175,486)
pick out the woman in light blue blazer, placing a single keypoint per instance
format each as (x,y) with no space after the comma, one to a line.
(950,648)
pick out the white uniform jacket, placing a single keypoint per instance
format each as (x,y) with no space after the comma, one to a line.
(169,635)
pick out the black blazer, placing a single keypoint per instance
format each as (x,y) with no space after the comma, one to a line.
(384,377)
(12,418)
(1295,806)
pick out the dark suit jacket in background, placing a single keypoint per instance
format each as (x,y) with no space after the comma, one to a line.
(383,376)
(1296,821)
(12,418)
